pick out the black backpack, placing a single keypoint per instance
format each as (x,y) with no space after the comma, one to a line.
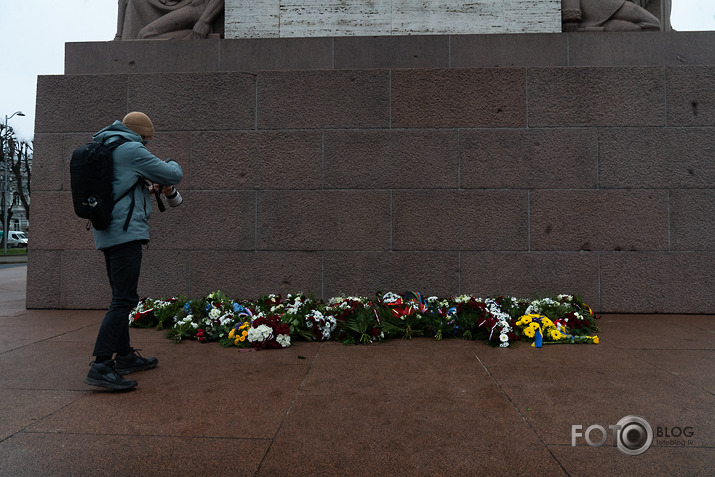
(91,175)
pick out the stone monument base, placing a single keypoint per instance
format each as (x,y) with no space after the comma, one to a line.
(524,165)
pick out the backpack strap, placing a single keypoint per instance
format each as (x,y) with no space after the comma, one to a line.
(112,146)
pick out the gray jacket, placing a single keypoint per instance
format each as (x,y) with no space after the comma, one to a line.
(132,162)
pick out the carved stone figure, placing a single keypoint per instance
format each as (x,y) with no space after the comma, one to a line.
(610,15)
(168,19)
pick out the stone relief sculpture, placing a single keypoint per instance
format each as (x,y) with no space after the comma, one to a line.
(613,15)
(169,19)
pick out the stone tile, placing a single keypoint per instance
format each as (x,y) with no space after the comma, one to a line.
(359,372)
(670,158)
(657,282)
(552,399)
(453,220)
(323,220)
(364,273)
(691,227)
(251,160)
(584,460)
(165,273)
(656,332)
(409,51)
(131,57)
(585,96)
(107,454)
(458,98)
(23,407)
(671,48)
(178,228)
(577,358)
(13,291)
(323,99)
(73,103)
(84,283)
(598,220)
(61,364)
(253,274)
(26,328)
(56,226)
(690,99)
(204,391)
(47,174)
(525,49)
(406,435)
(391,159)
(530,275)
(231,106)
(266,54)
(694,366)
(528,158)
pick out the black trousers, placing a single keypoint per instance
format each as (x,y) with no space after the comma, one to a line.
(123,266)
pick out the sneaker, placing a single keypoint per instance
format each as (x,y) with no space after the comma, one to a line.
(105,375)
(133,362)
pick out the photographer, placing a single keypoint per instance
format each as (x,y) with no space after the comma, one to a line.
(121,243)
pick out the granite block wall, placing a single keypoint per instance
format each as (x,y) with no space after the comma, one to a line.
(534,176)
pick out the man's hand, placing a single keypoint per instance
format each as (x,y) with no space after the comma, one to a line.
(164,189)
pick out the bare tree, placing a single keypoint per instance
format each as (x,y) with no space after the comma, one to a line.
(17,159)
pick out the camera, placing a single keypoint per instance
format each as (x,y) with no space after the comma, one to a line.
(173,198)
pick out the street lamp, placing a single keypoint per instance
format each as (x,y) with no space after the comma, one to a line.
(5,182)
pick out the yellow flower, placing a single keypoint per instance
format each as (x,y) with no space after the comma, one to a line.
(529,332)
(231,334)
(242,338)
(595,340)
(555,335)
(236,341)
(244,334)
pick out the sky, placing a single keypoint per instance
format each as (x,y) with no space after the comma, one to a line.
(33,34)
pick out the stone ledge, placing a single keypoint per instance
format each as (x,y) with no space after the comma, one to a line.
(417,51)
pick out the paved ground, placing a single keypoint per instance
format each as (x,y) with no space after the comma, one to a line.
(416,407)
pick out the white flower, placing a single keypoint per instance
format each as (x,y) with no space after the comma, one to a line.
(260,333)
(390,297)
(283,340)
(504,345)
(503,337)
(214,314)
